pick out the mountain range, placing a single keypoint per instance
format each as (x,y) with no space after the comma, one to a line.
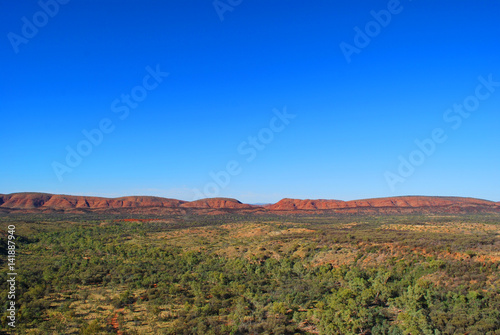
(47,203)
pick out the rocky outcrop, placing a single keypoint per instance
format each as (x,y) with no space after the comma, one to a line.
(58,201)
(33,202)
(392,202)
(24,200)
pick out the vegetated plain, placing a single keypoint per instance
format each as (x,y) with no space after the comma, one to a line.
(255,274)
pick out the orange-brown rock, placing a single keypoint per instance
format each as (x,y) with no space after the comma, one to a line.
(58,201)
(392,202)
(24,200)
(47,203)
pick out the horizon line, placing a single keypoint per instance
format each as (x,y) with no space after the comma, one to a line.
(261,203)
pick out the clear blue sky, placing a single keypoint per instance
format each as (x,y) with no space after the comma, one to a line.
(353,120)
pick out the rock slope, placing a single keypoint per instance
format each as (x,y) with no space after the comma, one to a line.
(57,201)
(392,202)
(30,202)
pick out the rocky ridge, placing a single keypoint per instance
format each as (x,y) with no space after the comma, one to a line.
(33,202)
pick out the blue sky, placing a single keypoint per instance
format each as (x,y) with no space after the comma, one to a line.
(356,116)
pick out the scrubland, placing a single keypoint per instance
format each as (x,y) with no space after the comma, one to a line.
(251,274)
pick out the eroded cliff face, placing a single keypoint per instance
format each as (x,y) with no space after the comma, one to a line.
(31,202)
(58,201)
(392,202)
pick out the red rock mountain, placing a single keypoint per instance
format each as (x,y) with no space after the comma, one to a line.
(397,202)
(57,201)
(46,202)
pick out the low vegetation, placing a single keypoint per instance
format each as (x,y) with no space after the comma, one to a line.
(236,274)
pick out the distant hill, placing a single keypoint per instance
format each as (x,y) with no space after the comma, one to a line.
(44,202)
(392,202)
